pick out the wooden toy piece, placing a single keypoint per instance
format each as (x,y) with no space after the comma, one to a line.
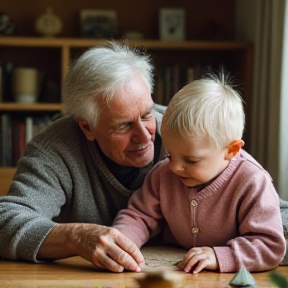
(243,279)
(160,279)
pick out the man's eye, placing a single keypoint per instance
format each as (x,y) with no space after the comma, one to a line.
(123,126)
(147,116)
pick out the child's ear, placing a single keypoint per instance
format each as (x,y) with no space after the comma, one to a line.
(233,148)
(85,127)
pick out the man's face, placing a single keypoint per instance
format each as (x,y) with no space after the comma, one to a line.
(126,128)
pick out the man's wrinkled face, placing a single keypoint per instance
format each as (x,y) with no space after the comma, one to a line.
(126,128)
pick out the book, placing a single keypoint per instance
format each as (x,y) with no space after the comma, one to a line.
(29,129)
(6,141)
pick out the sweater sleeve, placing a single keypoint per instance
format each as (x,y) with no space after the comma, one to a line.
(142,218)
(261,244)
(35,197)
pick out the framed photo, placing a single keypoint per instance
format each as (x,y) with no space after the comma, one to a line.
(98,23)
(172,24)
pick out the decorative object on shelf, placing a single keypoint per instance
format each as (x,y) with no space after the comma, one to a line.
(48,24)
(172,24)
(7,27)
(25,84)
(98,23)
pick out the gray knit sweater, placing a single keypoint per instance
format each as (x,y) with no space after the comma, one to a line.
(61,179)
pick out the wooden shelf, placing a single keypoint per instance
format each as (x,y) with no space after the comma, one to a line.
(19,41)
(47,107)
(67,44)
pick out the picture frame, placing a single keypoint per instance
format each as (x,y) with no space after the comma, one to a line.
(172,24)
(98,23)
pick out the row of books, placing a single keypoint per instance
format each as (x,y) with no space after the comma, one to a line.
(16,132)
(171,78)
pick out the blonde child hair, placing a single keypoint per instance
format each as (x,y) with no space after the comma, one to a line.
(209,107)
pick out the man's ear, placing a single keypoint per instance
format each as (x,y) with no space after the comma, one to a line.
(85,127)
(233,148)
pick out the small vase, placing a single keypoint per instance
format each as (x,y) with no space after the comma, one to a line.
(48,24)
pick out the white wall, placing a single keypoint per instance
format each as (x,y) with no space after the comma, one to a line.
(283,161)
(262,22)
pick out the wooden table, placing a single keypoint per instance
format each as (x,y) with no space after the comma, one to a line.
(77,272)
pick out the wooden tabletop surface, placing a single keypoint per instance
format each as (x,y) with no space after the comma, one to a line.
(77,272)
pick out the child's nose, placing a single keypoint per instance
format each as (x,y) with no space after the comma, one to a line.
(175,166)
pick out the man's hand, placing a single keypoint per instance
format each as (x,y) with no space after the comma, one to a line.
(198,258)
(103,246)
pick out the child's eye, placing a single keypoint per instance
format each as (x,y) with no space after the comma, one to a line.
(191,162)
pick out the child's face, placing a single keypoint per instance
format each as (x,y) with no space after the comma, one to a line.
(193,159)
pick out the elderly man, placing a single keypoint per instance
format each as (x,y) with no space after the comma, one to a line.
(78,173)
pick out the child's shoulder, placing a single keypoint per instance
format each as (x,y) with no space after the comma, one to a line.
(251,164)
(161,167)
(160,170)
(162,164)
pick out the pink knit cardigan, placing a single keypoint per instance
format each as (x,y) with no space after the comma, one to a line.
(237,214)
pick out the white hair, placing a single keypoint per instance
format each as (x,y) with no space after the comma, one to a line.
(99,73)
(207,108)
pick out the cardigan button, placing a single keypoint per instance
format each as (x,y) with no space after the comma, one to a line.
(194,203)
(195,230)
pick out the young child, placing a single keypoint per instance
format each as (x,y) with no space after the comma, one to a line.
(210,197)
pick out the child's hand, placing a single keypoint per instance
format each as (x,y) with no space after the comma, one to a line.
(198,258)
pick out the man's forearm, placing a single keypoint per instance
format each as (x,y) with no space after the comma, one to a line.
(103,246)
(57,243)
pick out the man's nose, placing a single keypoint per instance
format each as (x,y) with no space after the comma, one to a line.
(141,133)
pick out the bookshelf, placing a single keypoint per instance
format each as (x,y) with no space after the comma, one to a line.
(236,56)
(204,46)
